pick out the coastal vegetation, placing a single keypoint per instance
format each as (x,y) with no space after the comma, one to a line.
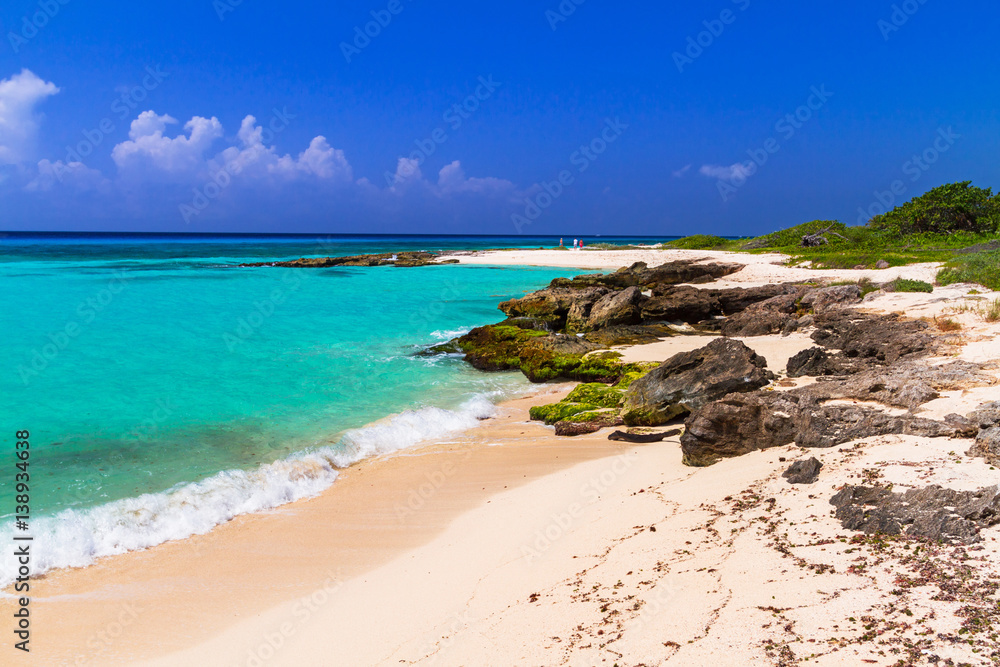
(957,223)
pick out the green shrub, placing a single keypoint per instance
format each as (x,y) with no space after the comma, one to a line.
(701,242)
(838,234)
(982,268)
(948,208)
(906,285)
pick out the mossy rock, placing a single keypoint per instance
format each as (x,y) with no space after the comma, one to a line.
(595,393)
(603,416)
(633,372)
(496,348)
(556,412)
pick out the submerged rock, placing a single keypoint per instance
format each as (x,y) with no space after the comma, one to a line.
(933,512)
(689,380)
(401,259)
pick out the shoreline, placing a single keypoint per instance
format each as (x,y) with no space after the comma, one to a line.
(376,510)
(473,519)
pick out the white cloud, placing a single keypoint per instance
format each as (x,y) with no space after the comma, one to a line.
(452,179)
(319,160)
(683,170)
(734,172)
(74,174)
(148,147)
(18,121)
(253,159)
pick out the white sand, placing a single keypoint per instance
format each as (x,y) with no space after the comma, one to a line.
(742,569)
(760,269)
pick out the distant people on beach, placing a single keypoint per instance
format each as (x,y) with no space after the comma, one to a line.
(560,243)
(575,242)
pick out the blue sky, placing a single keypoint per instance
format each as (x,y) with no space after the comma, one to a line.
(648,130)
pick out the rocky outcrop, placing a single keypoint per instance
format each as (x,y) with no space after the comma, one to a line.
(785,312)
(541,356)
(596,301)
(803,472)
(553,305)
(932,513)
(400,259)
(742,423)
(620,307)
(766,317)
(689,380)
(852,342)
(882,339)
(986,421)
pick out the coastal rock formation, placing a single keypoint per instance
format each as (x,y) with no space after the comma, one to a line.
(884,339)
(689,380)
(591,425)
(741,423)
(616,308)
(861,342)
(803,472)
(401,259)
(596,301)
(933,513)
(782,313)
(986,419)
(763,318)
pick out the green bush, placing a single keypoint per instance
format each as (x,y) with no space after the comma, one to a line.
(948,208)
(838,234)
(982,268)
(701,242)
(906,285)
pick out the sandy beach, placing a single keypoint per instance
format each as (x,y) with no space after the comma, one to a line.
(509,546)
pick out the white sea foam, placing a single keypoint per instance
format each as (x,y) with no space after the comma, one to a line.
(74,538)
(449,334)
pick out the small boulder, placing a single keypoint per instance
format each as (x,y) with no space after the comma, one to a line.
(881,264)
(803,472)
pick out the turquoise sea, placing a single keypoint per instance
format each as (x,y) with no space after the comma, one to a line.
(167,390)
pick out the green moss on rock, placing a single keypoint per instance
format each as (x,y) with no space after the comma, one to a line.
(561,411)
(595,393)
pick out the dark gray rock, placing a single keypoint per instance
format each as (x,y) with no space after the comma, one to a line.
(682,304)
(803,472)
(689,380)
(578,315)
(986,415)
(742,423)
(882,339)
(987,445)
(933,512)
(825,298)
(763,318)
(783,313)
(620,307)
(739,424)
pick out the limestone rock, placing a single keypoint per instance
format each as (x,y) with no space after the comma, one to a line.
(803,472)
(933,512)
(689,380)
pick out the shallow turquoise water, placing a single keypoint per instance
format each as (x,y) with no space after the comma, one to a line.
(141,369)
